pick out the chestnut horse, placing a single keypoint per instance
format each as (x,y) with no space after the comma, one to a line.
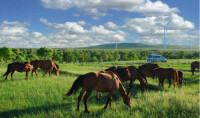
(194,65)
(147,69)
(168,73)
(17,66)
(129,73)
(101,82)
(47,65)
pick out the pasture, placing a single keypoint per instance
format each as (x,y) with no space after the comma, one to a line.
(44,96)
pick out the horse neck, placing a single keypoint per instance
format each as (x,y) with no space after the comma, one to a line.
(135,73)
(122,90)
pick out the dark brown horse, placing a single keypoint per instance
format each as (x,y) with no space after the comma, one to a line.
(181,79)
(129,73)
(147,69)
(194,65)
(168,73)
(101,82)
(20,67)
(47,65)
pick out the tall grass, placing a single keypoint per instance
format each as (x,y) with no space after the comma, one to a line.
(44,96)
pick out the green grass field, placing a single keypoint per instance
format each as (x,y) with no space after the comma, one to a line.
(44,97)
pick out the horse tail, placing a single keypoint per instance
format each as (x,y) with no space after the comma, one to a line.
(8,70)
(76,85)
(176,77)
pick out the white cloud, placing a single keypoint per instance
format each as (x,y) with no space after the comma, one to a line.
(84,38)
(111,25)
(98,7)
(154,8)
(177,30)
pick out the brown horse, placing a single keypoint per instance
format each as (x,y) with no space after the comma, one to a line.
(20,67)
(194,65)
(168,73)
(129,73)
(47,65)
(147,69)
(101,82)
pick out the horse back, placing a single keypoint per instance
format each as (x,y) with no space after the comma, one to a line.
(101,81)
(20,67)
(43,64)
(147,69)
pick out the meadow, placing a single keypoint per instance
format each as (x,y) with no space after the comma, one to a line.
(44,97)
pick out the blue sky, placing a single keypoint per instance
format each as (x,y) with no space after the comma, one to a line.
(80,23)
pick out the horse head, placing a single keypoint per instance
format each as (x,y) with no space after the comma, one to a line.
(127,99)
(27,66)
(56,69)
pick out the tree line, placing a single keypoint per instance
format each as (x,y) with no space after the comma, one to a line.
(88,55)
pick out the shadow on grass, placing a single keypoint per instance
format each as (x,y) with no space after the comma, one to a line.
(68,73)
(34,110)
(189,81)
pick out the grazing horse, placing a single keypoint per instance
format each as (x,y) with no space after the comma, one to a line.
(129,73)
(20,67)
(147,69)
(181,80)
(194,65)
(168,73)
(101,82)
(47,65)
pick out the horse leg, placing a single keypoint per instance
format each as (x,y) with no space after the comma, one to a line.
(169,79)
(161,81)
(79,99)
(130,86)
(46,70)
(109,100)
(98,94)
(87,95)
(50,70)
(35,70)
(32,72)
(12,75)
(7,76)
(27,72)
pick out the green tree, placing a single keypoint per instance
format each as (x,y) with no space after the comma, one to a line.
(6,53)
(68,56)
(45,53)
(132,56)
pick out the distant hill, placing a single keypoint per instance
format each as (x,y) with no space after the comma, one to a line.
(137,46)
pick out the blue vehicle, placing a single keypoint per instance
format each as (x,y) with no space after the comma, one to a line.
(156,58)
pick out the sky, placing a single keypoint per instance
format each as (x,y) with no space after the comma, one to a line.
(82,23)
